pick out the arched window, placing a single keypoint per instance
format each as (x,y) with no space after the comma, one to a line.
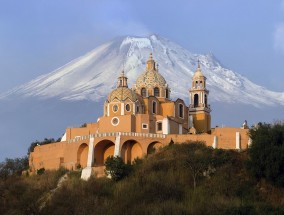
(115,108)
(154,107)
(127,107)
(167,93)
(156,92)
(196,100)
(180,110)
(143,92)
(205,100)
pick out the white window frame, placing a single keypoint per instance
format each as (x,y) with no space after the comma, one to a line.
(113,108)
(128,106)
(145,125)
(113,119)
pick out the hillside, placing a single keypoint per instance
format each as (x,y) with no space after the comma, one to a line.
(161,183)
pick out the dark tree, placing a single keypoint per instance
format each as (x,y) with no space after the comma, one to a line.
(12,167)
(266,154)
(116,168)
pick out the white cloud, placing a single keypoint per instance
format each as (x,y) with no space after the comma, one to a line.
(279,37)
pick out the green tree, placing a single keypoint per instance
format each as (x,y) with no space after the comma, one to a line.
(198,159)
(116,168)
(266,154)
(12,167)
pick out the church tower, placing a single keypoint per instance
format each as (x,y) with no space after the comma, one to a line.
(199,109)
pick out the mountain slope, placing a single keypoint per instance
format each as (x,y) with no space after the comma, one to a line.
(92,76)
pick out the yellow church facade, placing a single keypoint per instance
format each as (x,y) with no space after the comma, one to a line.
(136,122)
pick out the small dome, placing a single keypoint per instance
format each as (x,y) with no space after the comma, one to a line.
(198,73)
(121,94)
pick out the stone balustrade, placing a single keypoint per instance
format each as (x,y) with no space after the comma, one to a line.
(114,134)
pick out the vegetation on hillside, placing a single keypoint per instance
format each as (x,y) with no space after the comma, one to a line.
(187,178)
(267,153)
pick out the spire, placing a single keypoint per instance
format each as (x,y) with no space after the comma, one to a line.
(122,80)
(198,72)
(150,63)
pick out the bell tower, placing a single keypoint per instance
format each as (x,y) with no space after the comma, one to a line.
(199,109)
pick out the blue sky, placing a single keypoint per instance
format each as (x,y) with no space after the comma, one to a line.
(38,36)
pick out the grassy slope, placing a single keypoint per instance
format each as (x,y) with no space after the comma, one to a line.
(162,184)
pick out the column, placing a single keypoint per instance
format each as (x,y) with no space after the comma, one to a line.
(215,142)
(238,140)
(166,126)
(179,128)
(87,171)
(122,108)
(117,145)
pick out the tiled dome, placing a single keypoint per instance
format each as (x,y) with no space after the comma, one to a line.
(151,77)
(121,94)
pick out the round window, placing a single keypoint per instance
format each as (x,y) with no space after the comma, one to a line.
(114,121)
(114,108)
(127,107)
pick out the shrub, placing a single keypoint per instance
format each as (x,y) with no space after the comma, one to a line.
(116,168)
(40,171)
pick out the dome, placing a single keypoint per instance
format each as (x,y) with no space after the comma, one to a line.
(121,94)
(150,78)
(198,73)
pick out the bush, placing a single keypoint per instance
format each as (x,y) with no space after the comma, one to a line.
(116,168)
(40,171)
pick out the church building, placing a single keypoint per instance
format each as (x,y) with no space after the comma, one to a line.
(137,121)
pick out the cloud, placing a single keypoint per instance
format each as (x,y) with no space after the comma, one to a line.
(279,37)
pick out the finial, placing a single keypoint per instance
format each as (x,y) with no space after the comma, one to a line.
(198,62)
(122,73)
(157,67)
(151,56)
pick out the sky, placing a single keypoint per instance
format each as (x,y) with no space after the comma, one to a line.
(38,36)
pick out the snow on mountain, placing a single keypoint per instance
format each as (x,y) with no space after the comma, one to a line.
(92,76)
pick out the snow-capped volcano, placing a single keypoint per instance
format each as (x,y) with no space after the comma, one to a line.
(94,75)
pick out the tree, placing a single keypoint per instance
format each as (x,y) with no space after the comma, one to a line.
(198,159)
(116,168)
(12,167)
(266,153)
